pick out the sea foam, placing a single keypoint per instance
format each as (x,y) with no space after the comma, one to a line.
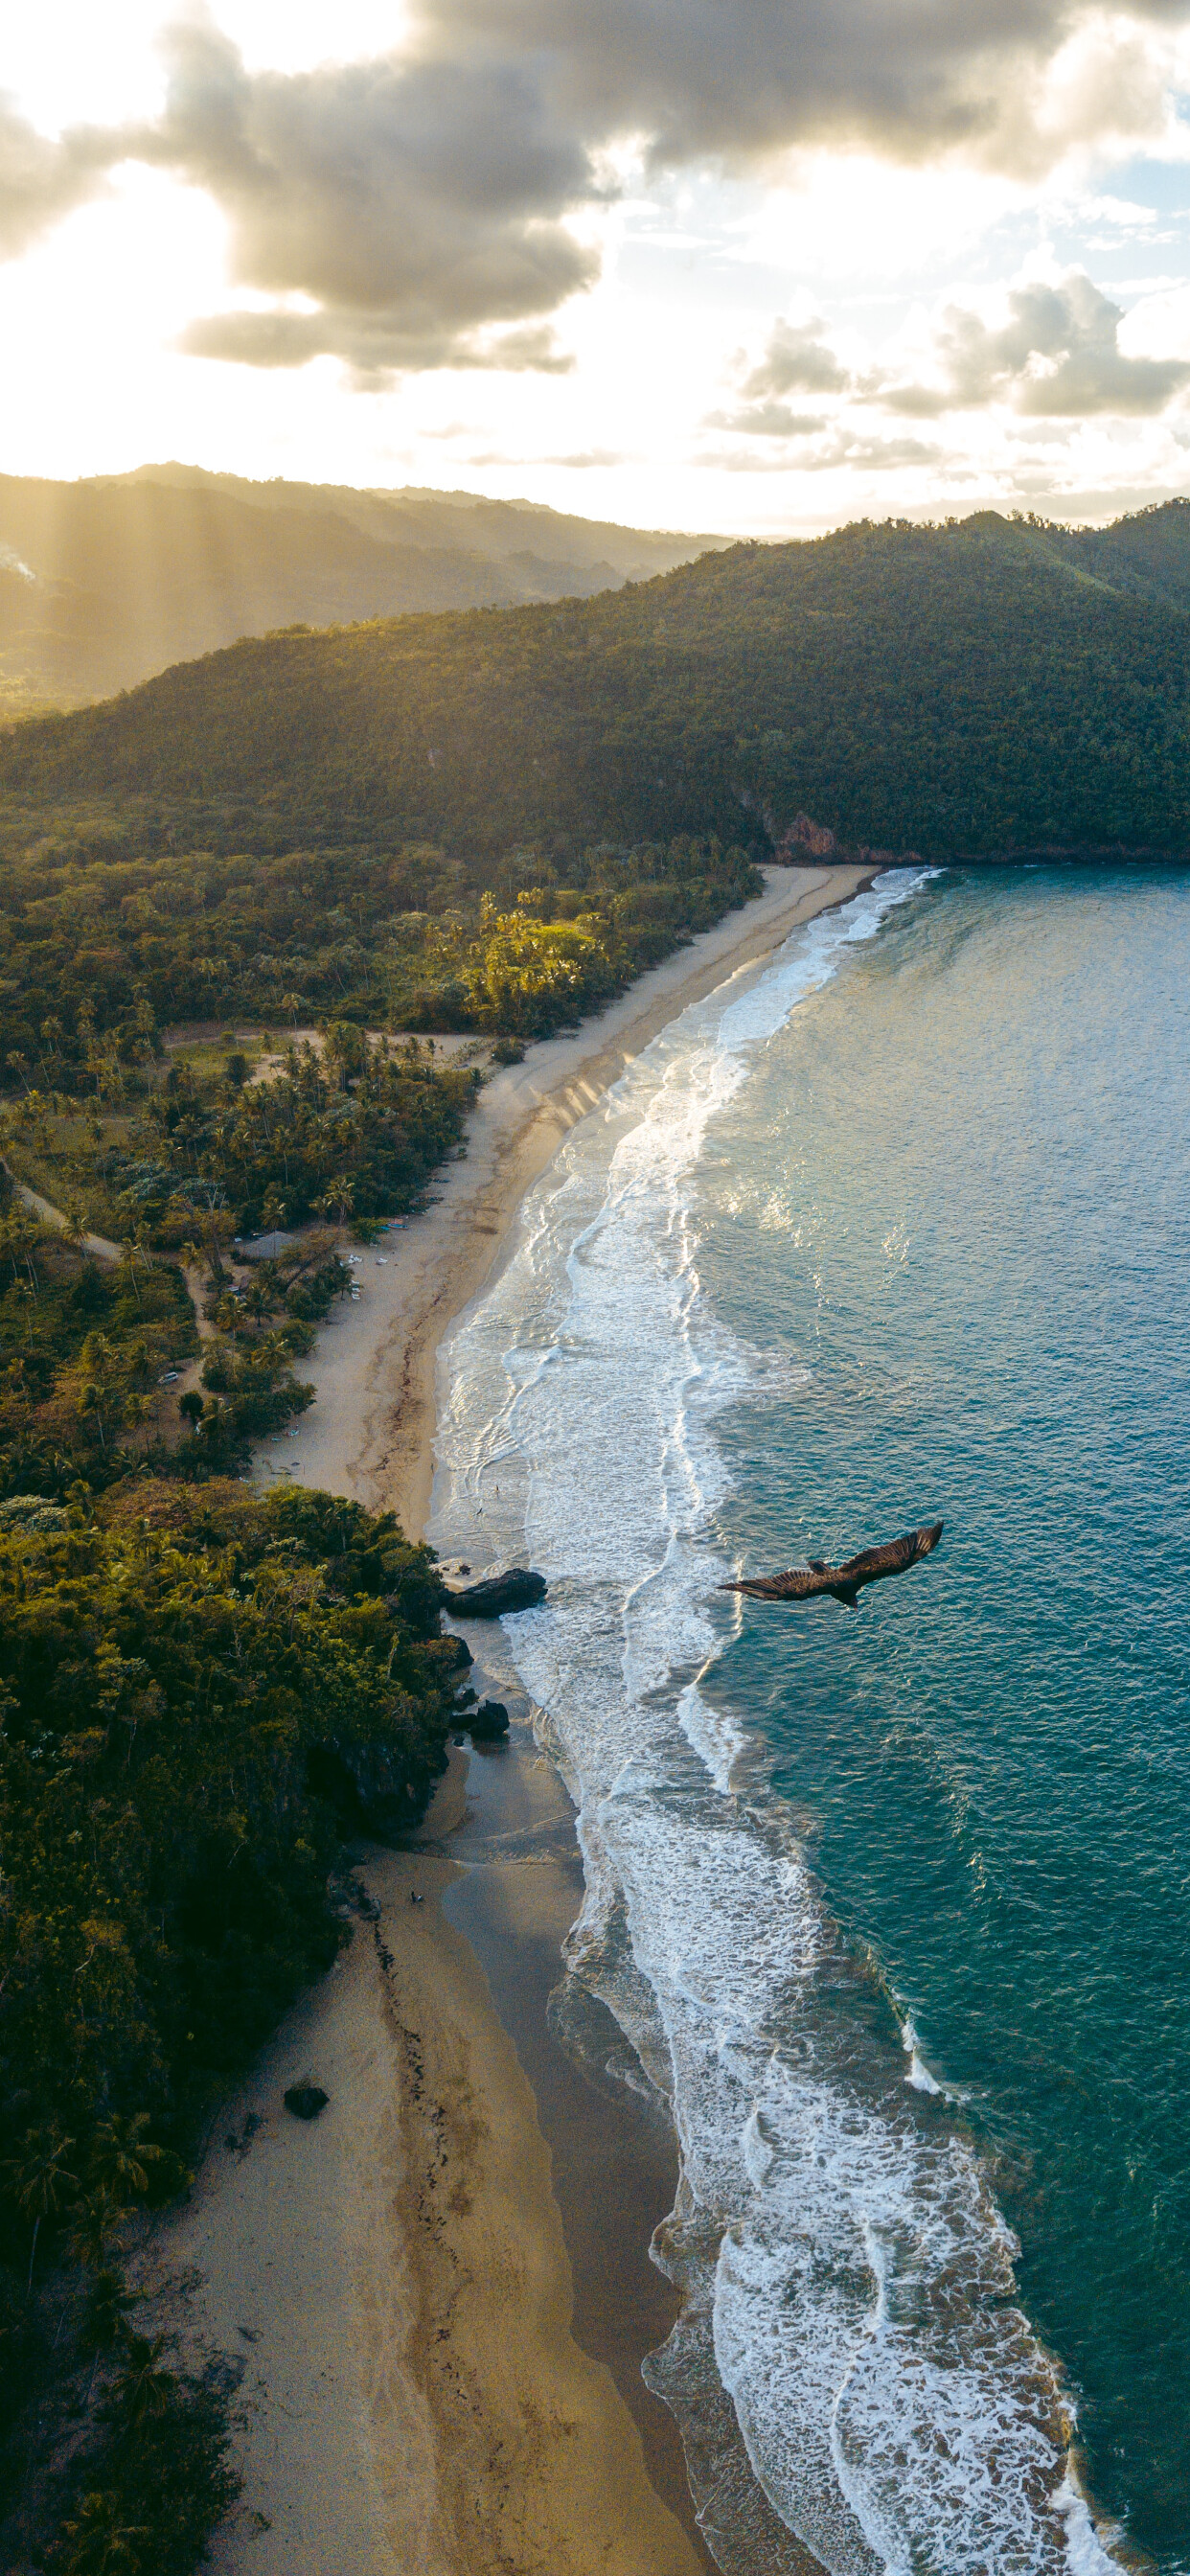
(847,2276)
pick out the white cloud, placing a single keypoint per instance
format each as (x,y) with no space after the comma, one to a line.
(424,195)
(561,308)
(1054,353)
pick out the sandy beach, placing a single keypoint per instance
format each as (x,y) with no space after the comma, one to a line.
(371,1431)
(439,2292)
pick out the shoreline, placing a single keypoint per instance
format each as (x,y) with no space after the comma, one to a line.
(440,2292)
(370,1433)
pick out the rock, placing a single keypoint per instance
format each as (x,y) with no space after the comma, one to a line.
(456,1654)
(495,1594)
(488,1722)
(306,2101)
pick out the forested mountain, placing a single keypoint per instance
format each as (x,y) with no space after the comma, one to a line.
(972,687)
(1148,553)
(104,582)
(491,820)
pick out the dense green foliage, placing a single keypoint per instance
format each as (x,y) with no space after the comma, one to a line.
(83,1345)
(200,1689)
(114,923)
(970,688)
(350,1131)
(95,1374)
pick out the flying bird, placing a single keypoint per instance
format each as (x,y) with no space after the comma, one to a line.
(842,1582)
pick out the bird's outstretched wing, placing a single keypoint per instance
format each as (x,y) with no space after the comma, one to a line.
(797,1585)
(895,1557)
(842,1582)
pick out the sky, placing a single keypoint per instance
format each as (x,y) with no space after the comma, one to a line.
(724,266)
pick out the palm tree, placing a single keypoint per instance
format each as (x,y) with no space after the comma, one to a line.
(105,2316)
(25,1296)
(100,2543)
(144,2391)
(227,1316)
(101,1393)
(39,2175)
(92,2220)
(128,1251)
(120,2157)
(340,1194)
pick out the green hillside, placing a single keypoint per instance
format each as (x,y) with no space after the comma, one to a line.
(1148,553)
(492,820)
(966,688)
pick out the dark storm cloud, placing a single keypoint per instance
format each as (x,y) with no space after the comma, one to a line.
(416,210)
(1057,357)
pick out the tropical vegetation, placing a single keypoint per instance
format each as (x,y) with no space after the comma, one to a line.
(117,924)
(102,1369)
(989,685)
(202,1691)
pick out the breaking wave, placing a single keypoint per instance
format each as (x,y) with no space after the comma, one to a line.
(846,2274)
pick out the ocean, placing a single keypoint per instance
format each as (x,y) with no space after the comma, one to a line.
(890,1905)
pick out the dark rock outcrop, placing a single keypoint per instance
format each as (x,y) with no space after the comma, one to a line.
(488,1724)
(519,1589)
(306,2101)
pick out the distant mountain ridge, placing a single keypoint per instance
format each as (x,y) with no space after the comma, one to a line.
(985,686)
(106,581)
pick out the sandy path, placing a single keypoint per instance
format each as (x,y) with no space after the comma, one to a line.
(371,1431)
(96,1244)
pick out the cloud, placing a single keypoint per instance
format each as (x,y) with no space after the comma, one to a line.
(40,181)
(874,455)
(412,204)
(371,345)
(843,449)
(1056,357)
(418,209)
(695,80)
(766,420)
(796,360)
(588,456)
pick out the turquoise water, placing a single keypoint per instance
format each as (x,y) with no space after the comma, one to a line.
(958,1188)
(890,1905)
